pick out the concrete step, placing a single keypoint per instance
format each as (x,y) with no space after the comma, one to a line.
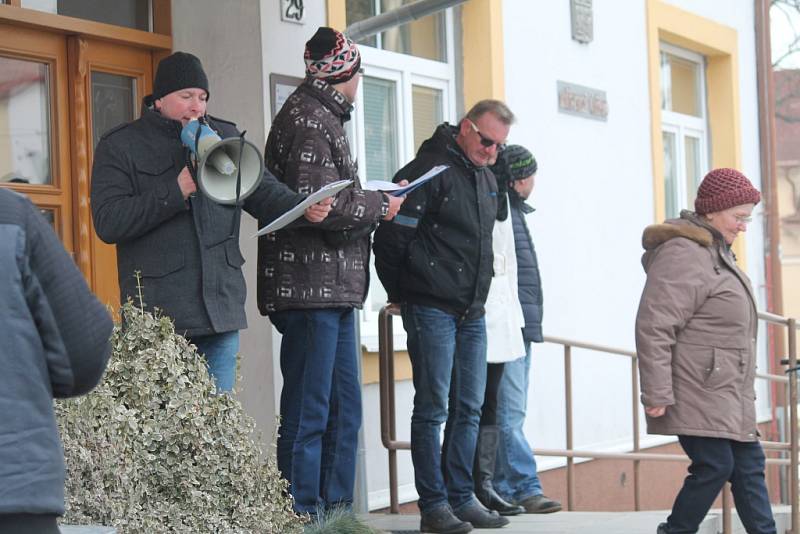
(579,522)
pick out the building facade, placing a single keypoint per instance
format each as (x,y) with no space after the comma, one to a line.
(625,106)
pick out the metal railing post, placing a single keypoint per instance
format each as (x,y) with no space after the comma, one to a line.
(387,407)
(793,475)
(637,494)
(568,409)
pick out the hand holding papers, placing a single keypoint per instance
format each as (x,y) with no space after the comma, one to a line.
(398,190)
(297,211)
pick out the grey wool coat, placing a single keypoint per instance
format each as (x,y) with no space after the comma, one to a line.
(187,252)
(696,333)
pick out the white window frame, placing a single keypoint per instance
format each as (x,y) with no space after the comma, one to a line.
(682,125)
(405,70)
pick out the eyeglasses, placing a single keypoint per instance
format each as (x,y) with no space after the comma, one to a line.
(485,141)
(743,219)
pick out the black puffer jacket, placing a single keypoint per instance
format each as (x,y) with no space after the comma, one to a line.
(529,280)
(438,250)
(187,252)
(323,265)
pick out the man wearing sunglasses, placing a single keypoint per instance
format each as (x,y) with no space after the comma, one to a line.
(435,260)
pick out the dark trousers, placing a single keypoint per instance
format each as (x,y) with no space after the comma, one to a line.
(716,461)
(320,406)
(28,524)
(494,374)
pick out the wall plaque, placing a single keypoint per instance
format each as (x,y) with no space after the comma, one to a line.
(582,101)
(582,20)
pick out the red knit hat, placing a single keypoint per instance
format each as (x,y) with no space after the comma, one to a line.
(722,189)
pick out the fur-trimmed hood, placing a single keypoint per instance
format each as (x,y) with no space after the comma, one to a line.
(656,234)
(688,226)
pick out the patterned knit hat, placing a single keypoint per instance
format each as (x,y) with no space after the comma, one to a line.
(520,162)
(722,189)
(331,56)
(180,70)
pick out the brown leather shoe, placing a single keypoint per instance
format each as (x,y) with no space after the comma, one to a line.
(539,504)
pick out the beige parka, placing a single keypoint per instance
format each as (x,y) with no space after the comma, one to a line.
(696,333)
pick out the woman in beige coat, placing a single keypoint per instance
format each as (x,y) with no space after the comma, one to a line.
(696,343)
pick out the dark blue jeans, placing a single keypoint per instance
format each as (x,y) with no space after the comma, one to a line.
(220,352)
(714,462)
(448,359)
(320,406)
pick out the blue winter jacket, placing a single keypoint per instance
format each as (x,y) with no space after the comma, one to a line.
(54,342)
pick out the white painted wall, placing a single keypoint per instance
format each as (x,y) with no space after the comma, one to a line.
(594,197)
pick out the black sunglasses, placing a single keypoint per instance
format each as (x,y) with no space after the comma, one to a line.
(485,141)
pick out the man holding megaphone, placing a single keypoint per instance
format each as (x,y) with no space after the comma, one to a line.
(185,244)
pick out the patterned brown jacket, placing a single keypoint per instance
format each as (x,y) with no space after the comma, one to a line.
(323,265)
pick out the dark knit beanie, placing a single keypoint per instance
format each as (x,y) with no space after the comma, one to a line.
(180,70)
(331,56)
(520,162)
(722,189)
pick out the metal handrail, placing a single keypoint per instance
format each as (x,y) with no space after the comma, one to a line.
(389,434)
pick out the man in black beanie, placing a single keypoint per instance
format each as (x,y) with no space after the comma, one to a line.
(183,245)
(310,279)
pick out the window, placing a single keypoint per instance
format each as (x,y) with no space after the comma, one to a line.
(423,38)
(684,128)
(129,13)
(402,99)
(25,134)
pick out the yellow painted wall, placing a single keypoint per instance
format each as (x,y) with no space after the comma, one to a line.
(484,70)
(337,14)
(719,44)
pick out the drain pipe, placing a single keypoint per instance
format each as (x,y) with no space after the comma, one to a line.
(766,133)
(369,27)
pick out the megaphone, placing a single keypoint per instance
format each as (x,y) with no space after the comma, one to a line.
(223,165)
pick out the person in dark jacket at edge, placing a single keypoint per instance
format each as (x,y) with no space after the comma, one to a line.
(311,279)
(184,245)
(54,343)
(435,261)
(515,476)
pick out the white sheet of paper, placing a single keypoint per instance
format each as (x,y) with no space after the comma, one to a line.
(397,190)
(297,211)
(381,185)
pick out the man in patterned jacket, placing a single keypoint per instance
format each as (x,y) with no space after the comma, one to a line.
(312,276)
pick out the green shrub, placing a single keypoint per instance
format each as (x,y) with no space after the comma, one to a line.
(154,449)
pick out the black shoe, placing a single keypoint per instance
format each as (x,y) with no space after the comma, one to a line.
(441,520)
(662,529)
(480,517)
(491,500)
(483,472)
(539,504)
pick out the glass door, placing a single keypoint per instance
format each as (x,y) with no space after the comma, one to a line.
(34,127)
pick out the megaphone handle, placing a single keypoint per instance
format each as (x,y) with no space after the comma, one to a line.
(238,214)
(191,165)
